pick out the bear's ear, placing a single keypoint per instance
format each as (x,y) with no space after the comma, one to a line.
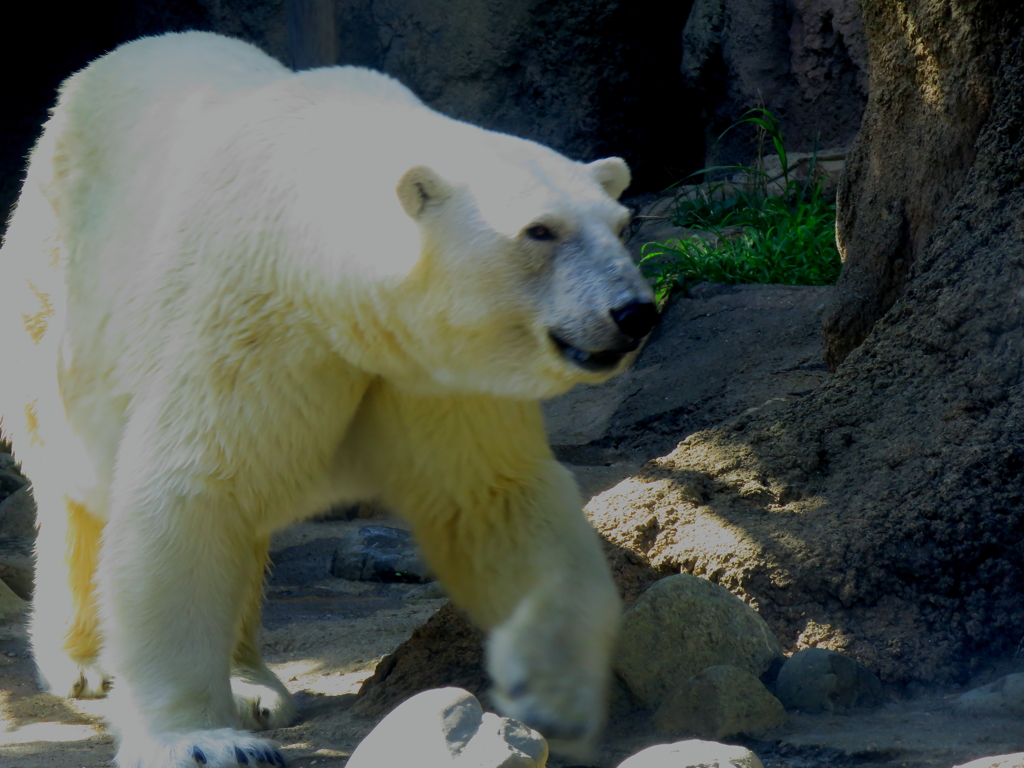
(612,173)
(421,188)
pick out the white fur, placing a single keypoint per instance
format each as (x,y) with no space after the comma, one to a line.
(248,294)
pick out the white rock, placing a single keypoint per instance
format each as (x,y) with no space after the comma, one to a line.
(1015,760)
(447,728)
(1003,698)
(694,754)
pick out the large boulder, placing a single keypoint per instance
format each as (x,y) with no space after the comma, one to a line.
(719,703)
(683,625)
(933,87)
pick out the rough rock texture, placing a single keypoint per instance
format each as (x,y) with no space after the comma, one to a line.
(932,66)
(588,78)
(1002,698)
(18,514)
(805,60)
(688,375)
(882,515)
(717,703)
(693,754)
(681,626)
(446,651)
(817,680)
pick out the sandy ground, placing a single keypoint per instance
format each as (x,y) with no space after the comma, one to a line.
(322,640)
(325,638)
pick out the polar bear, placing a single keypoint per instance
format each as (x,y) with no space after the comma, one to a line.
(243,295)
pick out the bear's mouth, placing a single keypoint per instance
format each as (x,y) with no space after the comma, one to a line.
(604,360)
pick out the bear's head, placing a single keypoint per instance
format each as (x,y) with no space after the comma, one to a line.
(524,287)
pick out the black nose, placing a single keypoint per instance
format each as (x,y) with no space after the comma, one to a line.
(635,320)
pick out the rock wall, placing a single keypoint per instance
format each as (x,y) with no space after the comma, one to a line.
(931,93)
(883,513)
(587,78)
(805,60)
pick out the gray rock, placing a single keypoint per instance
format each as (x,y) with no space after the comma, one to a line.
(1003,698)
(694,754)
(379,553)
(720,702)
(447,727)
(10,604)
(432,590)
(1015,760)
(747,53)
(818,680)
(683,625)
(10,479)
(18,514)
(17,564)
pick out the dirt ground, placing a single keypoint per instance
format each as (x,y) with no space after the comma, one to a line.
(722,354)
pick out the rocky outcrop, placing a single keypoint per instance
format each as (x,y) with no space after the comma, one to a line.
(933,78)
(805,60)
(881,514)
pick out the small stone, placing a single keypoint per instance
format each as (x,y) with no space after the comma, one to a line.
(432,590)
(447,728)
(1003,698)
(720,702)
(817,680)
(682,625)
(1014,760)
(18,514)
(693,754)
(379,553)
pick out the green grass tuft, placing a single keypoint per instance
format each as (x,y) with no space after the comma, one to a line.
(753,236)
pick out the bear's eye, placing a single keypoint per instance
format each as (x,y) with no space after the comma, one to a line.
(540,232)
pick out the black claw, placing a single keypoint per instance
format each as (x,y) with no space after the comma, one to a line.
(280,758)
(240,757)
(266,757)
(198,756)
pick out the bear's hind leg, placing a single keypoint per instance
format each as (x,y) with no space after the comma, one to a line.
(262,700)
(65,629)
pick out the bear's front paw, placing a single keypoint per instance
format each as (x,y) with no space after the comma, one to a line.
(550,664)
(569,714)
(221,748)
